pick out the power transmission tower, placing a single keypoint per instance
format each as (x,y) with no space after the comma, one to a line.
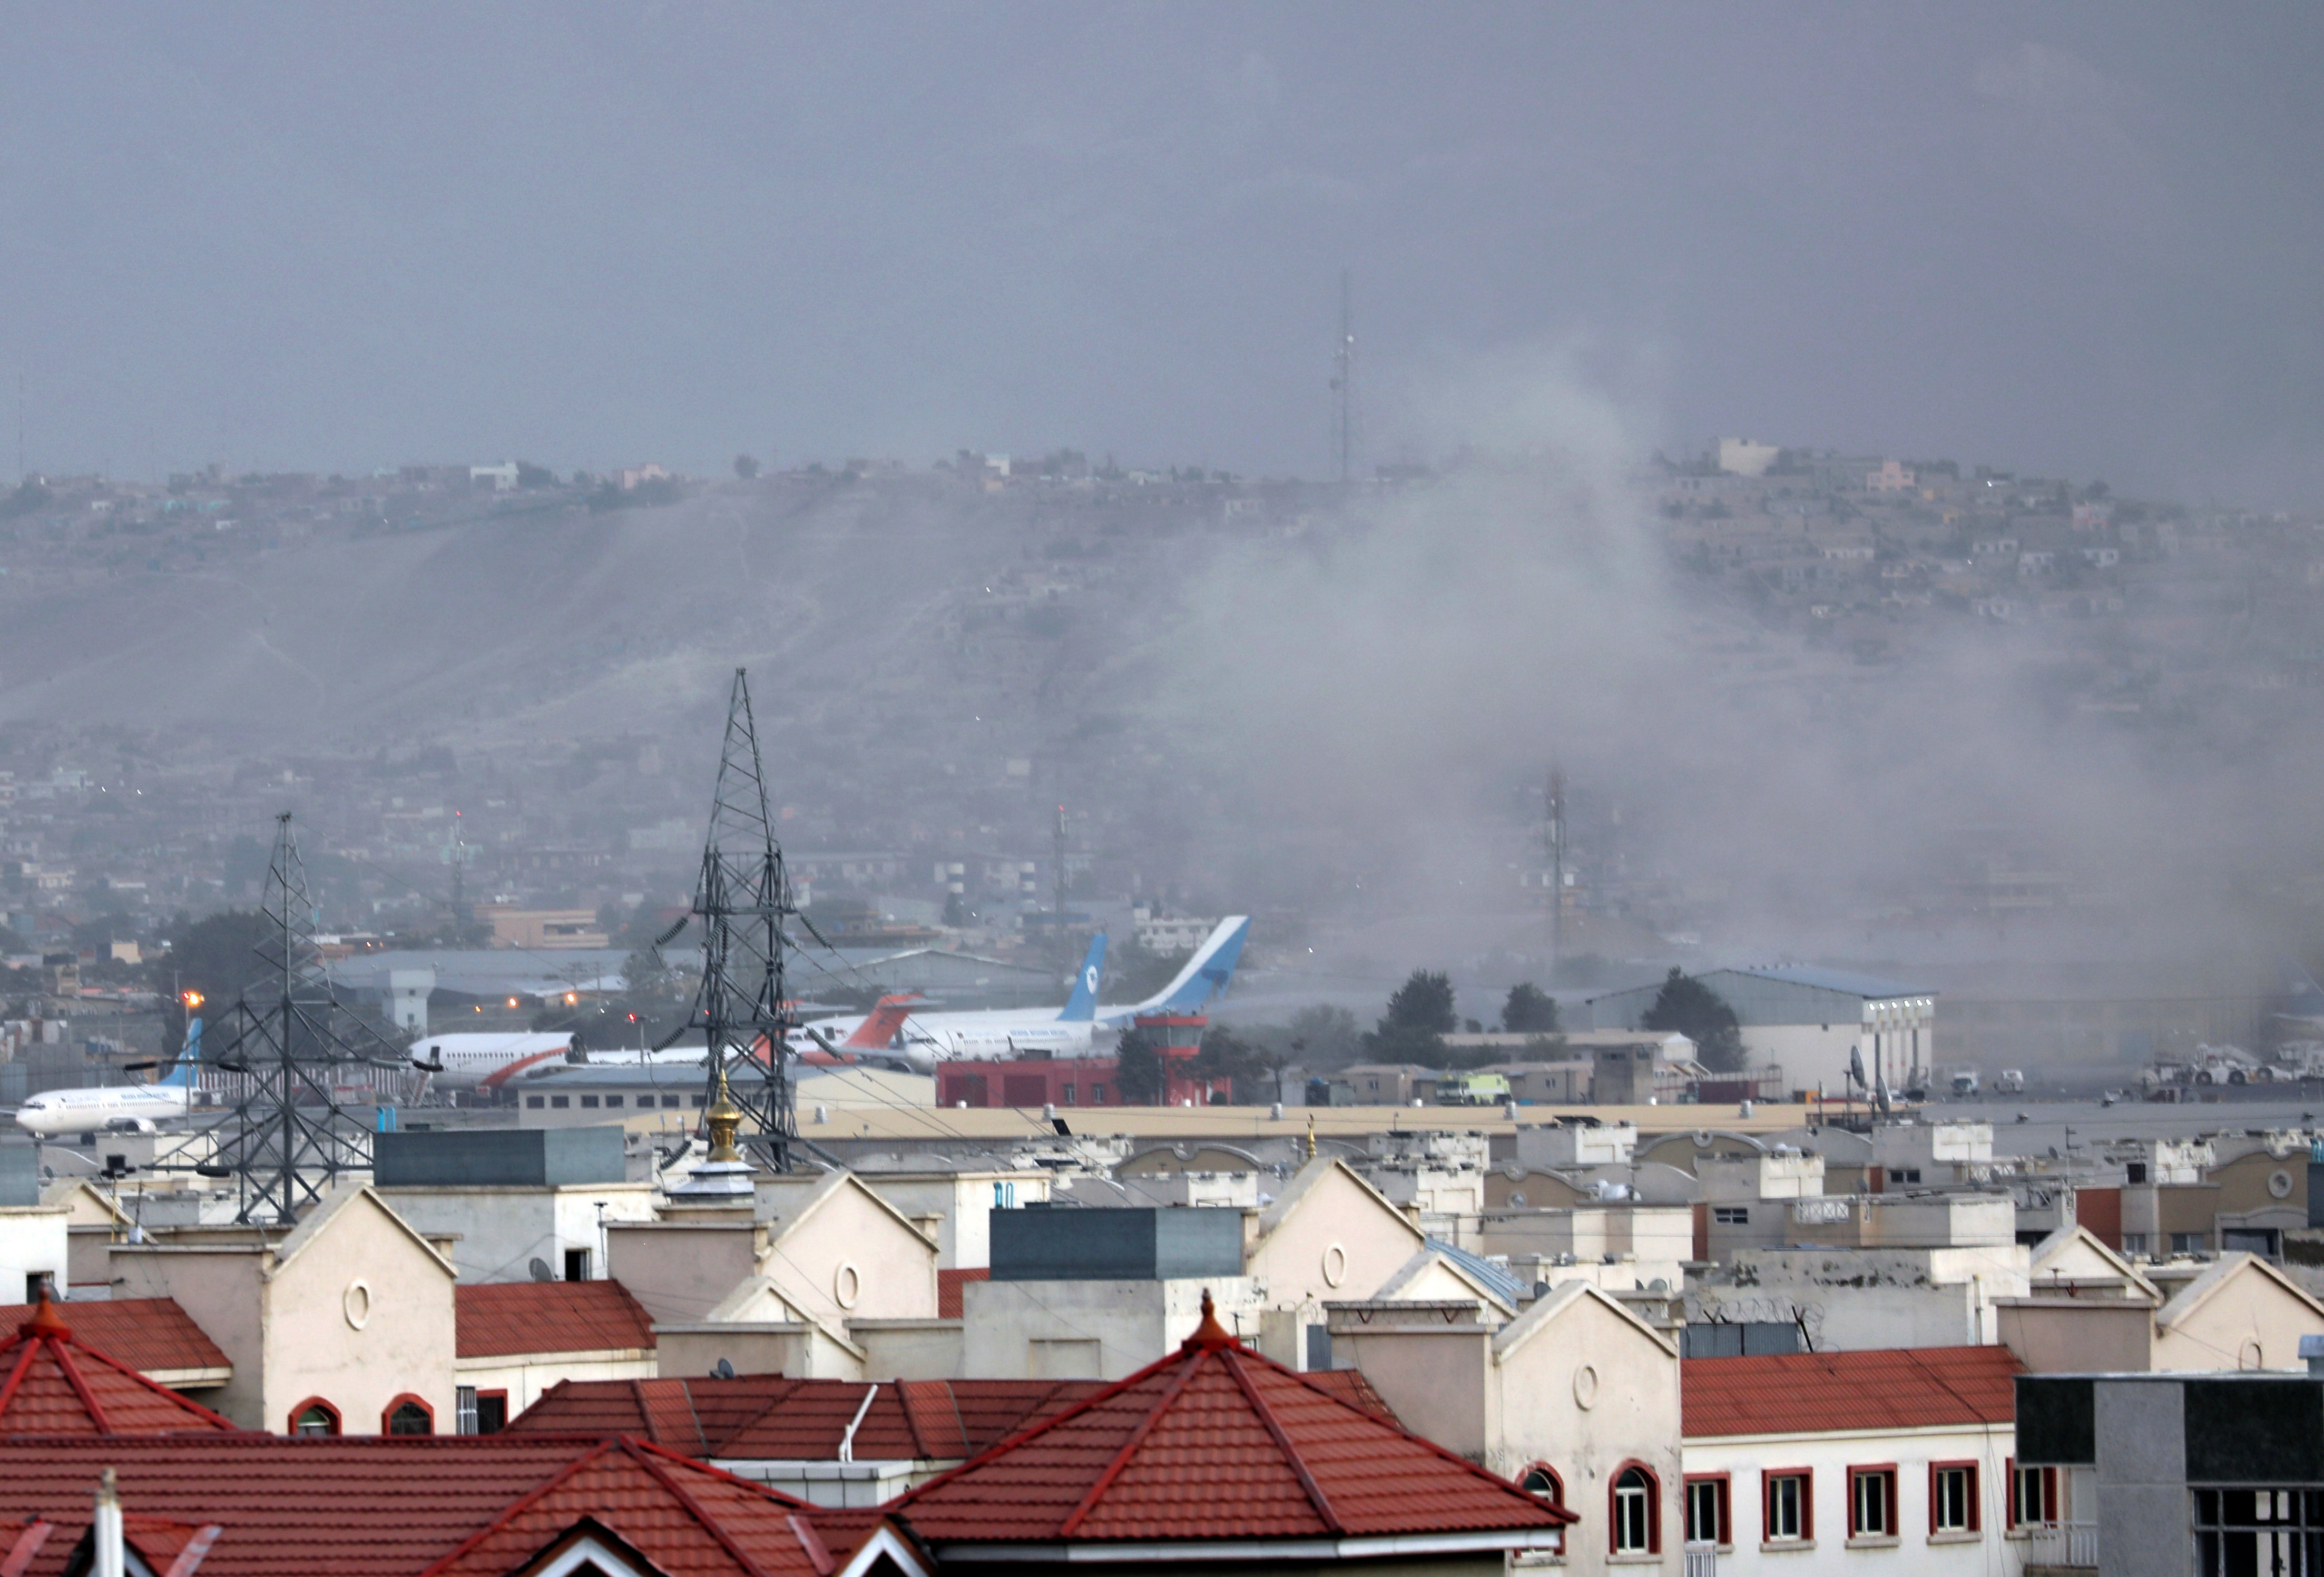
(1057,873)
(1554,837)
(1343,386)
(742,899)
(463,924)
(297,1055)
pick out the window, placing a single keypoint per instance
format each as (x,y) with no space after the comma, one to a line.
(1787,1507)
(1635,1513)
(535,1103)
(2134,1243)
(702,1099)
(612,1101)
(1872,1503)
(2258,1530)
(589,1101)
(407,1415)
(559,1103)
(1097,1095)
(314,1416)
(40,1283)
(1707,1520)
(491,1412)
(670,1102)
(1731,1215)
(2032,1496)
(1542,1480)
(2135,1171)
(2190,1243)
(1904,1174)
(1952,1498)
(1066,1090)
(576,1264)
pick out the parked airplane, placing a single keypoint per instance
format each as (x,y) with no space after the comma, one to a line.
(1078,1029)
(471,1061)
(117,1107)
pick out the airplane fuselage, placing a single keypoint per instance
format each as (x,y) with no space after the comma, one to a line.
(55,1113)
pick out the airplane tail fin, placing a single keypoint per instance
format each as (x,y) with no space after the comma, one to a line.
(1206,973)
(189,1059)
(880,1025)
(2302,997)
(1083,1004)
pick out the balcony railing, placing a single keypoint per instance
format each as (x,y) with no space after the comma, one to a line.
(1703,1561)
(2062,1544)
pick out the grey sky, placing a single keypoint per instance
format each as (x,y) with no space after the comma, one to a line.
(2078,238)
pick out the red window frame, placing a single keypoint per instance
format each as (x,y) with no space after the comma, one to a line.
(1767,1477)
(2011,1508)
(1976,1497)
(1654,1509)
(1556,1480)
(397,1403)
(1863,1470)
(1724,1534)
(338,1419)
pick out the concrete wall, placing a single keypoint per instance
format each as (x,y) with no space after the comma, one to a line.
(848,1256)
(2251,1321)
(963,1203)
(34,1242)
(1339,1239)
(693,1349)
(2068,1336)
(681,1270)
(1987,1552)
(1090,1330)
(525,1379)
(503,1229)
(911,1349)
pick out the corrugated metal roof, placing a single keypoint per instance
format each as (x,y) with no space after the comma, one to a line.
(1821,1393)
(1869,986)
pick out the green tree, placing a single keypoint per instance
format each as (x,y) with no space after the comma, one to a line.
(1325,1037)
(216,955)
(1137,1069)
(1693,1010)
(1420,1014)
(1529,1010)
(745,466)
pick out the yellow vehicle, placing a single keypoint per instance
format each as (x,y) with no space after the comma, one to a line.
(1472,1089)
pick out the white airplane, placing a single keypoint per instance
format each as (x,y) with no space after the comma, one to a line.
(1078,1029)
(118,1108)
(471,1061)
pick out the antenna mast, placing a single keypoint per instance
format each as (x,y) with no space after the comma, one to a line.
(1553,836)
(1343,386)
(1057,874)
(288,1139)
(742,898)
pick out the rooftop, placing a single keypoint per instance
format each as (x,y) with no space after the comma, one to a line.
(51,1382)
(152,1335)
(504,1319)
(1824,1393)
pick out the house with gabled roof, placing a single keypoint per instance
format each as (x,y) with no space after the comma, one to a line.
(152,1335)
(517,1339)
(344,1325)
(2091,1308)
(1575,1399)
(1216,1452)
(1820,1461)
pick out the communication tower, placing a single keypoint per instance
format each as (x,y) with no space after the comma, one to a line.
(742,899)
(1553,839)
(1343,386)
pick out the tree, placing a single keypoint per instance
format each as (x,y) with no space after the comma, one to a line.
(1137,1069)
(1529,1010)
(745,466)
(1696,1011)
(1325,1037)
(1420,1014)
(216,955)
(1254,1075)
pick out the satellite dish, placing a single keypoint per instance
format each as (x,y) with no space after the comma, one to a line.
(1856,1068)
(539,1270)
(722,1370)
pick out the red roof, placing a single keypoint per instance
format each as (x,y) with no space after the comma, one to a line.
(1215,1442)
(53,1383)
(770,1418)
(948,1286)
(152,1335)
(1821,1393)
(388,1506)
(506,1319)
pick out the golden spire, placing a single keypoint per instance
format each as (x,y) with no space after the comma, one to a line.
(722,1118)
(1311,1136)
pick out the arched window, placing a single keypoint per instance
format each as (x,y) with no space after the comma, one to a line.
(314,1416)
(1542,1480)
(407,1415)
(1636,1512)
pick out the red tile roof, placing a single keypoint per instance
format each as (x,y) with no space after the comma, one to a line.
(152,1335)
(1820,1393)
(51,1382)
(770,1418)
(948,1286)
(385,1506)
(1212,1443)
(506,1319)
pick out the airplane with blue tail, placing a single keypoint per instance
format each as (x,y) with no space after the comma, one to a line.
(118,1108)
